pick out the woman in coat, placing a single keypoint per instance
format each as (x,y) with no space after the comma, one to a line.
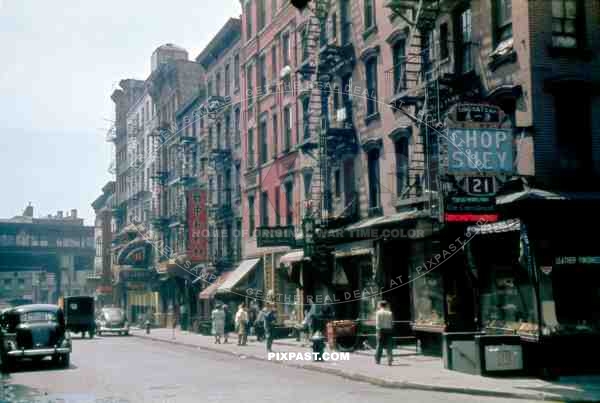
(218,323)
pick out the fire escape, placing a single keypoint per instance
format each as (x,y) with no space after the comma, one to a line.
(159,176)
(418,91)
(324,141)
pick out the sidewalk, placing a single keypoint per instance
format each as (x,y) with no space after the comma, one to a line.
(408,370)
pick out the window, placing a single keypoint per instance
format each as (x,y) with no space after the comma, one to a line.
(444,50)
(565,23)
(399,56)
(227,130)
(273,9)
(573,133)
(323,33)
(210,88)
(249,89)
(264,146)
(248,14)
(401,148)
(289,199)
(345,21)
(277,206)
(502,13)
(262,14)
(286,48)
(264,209)
(464,52)
(236,71)
(369,14)
(275,135)
(307,185)
(274,64)
(304,44)
(371,78)
(237,125)
(306,116)
(251,222)
(337,183)
(333,25)
(287,122)
(373,167)
(262,65)
(250,148)
(218,84)
(227,79)
(219,140)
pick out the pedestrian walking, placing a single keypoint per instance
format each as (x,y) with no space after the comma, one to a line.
(241,324)
(218,323)
(269,324)
(384,328)
(259,324)
(228,321)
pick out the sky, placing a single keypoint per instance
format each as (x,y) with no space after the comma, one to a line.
(60,61)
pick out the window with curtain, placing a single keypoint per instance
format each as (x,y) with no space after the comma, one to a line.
(502,20)
(565,23)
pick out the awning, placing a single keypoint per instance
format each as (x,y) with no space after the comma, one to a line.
(497,227)
(294,256)
(387,220)
(540,194)
(237,275)
(353,249)
(210,291)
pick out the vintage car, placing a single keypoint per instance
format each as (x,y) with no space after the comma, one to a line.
(79,315)
(112,320)
(34,332)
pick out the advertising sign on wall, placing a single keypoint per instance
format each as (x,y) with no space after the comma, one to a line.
(472,150)
(198,225)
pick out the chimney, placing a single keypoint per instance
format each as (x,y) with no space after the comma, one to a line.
(74,213)
(28,211)
(59,214)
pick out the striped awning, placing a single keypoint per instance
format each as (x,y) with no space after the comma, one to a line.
(238,275)
(210,291)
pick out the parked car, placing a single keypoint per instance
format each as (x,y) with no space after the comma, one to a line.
(34,332)
(112,320)
(79,315)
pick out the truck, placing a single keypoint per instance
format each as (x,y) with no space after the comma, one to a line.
(79,314)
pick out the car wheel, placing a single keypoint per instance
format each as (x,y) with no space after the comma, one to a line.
(120,333)
(91,333)
(126,333)
(99,333)
(65,360)
(83,334)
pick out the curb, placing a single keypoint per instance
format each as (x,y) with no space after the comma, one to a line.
(370,379)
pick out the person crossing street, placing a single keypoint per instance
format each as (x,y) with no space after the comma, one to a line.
(384,328)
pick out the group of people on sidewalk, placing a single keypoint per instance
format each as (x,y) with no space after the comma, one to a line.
(262,322)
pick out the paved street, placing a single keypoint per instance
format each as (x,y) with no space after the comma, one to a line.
(128,369)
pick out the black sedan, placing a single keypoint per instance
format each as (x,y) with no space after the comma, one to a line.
(34,332)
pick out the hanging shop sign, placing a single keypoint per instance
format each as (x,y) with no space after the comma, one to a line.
(275,236)
(136,275)
(198,225)
(570,260)
(470,209)
(480,185)
(479,113)
(477,151)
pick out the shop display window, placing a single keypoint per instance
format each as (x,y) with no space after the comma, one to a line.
(507,294)
(428,297)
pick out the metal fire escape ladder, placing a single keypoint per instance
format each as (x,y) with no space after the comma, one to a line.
(422,90)
(315,123)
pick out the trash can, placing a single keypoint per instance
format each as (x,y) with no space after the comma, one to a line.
(460,352)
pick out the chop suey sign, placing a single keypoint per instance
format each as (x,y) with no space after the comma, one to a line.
(472,150)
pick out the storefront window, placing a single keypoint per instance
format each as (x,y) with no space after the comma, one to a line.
(507,296)
(569,292)
(427,289)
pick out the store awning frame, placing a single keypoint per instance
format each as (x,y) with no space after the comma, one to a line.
(513,224)
(292,257)
(238,275)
